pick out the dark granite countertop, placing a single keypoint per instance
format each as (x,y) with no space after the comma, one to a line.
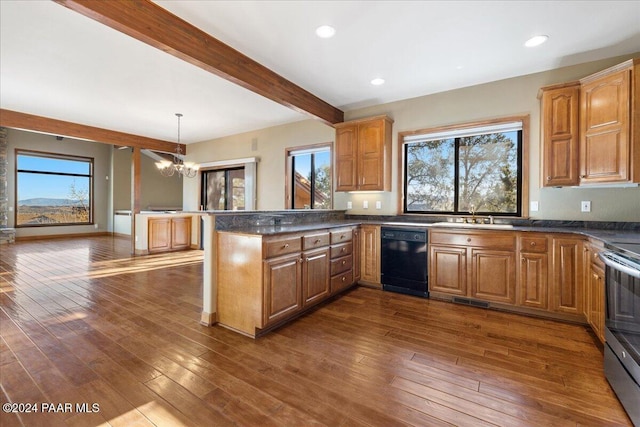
(272,230)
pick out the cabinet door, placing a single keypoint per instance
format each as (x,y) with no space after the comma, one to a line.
(567,295)
(282,287)
(315,276)
(448,270)
(346,154)
(560,138)
(181,233)
(370,252)
(371,152)
(534,273)
(595,289)
(493,275)
(356,254)
(605,127)
(159,230)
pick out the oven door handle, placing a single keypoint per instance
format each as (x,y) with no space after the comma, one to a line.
(610,259)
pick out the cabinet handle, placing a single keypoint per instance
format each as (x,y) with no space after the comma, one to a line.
(344,262)
(344,249)
(468,240)
(533,243)
(342,236)
(548,178)
(317,241)
(583,176)
(344,279)
(285,246)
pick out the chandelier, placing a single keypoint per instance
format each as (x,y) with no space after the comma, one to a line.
(182,168)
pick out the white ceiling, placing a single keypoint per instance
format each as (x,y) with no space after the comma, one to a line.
(57,63)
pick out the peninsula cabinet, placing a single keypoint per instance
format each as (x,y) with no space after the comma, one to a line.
(363,155)
(263,281)
(560,134)
(169,233)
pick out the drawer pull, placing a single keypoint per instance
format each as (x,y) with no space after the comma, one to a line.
(548,178)
(285,246)
(317,241)
(342,236)
(344,279)
(344,262)
(344,249)
(469,239)
(533,243)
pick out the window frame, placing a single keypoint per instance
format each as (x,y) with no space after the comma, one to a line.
(523,171)
(58,156)
(288,184)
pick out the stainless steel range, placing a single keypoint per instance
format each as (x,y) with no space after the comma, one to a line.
(622,324)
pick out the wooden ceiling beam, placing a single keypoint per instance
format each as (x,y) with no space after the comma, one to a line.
(30,122)
(153,25)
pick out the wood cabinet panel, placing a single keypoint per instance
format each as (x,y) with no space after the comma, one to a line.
(315,276)
(493,275)
(282,287)
(281,246)
(181,233)
(595,292)
(159,231)
(370,253)
(363,155)
(567,275)
(341,281)
(342,235)
(534,278)
(560,134)
(448,270)
(340,265)
(346,158)
(317,240)
(493,239)
(341,250)
(356,242)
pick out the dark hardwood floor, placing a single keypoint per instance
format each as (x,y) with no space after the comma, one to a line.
(83,322)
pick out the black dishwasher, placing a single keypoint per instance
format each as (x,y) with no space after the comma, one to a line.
(403,261)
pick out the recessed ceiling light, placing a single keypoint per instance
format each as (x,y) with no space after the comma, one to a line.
(325,31)
(377,82)
(536,41)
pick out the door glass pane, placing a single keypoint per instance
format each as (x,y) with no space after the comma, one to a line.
(322,195)
(236,195)
(215,190)
(302,181)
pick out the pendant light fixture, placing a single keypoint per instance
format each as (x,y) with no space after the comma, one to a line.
(182,168)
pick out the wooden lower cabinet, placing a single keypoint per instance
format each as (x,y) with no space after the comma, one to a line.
(263,281)
(168,234)
(567,296)
(493,276)
(448,269)
(282,287)
(594,294)
(370,255)
(315,276)
(533,274)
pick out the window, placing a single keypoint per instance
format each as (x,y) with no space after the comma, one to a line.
(53,189)
(223,189)
(457,170)
(309,177)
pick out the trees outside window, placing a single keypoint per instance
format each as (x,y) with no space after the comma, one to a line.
(223,189)
(309,184)
(468,170)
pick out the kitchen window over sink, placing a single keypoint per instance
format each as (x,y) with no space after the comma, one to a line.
(474,167)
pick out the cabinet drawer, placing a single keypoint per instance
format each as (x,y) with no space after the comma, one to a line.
(341,250)
(341,265)
(281,246)
(315,240)
(533,244)
(341,235)
(341,281)
(495,240)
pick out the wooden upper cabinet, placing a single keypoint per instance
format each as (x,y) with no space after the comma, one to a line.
(605,137)
(560,134)
(363,155)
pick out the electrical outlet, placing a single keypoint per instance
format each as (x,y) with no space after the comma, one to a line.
(349,205)
(585,206)
(378,204)
(95,226)
(534,206)
(365,204)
